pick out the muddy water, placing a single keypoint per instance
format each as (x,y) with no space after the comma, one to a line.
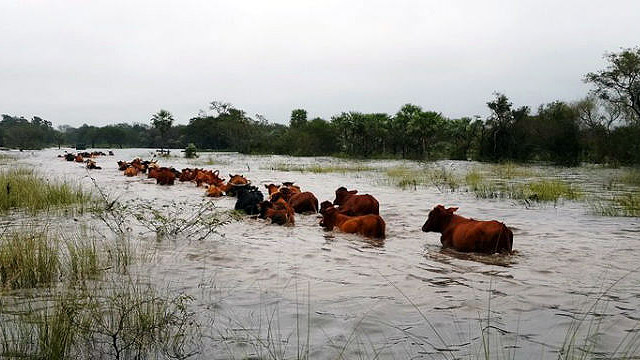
(261,289)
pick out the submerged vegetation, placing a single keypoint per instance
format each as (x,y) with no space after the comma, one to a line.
(24,189)
(322,169)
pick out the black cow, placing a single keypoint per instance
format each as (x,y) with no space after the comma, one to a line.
(248,199)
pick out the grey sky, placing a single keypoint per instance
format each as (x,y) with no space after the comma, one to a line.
(104,62)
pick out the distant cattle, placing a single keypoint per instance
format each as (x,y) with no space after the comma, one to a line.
(351,204)
(248,199)
(92,165)
(468,235)
(371,225)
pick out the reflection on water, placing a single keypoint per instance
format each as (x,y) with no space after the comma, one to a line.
(398,298)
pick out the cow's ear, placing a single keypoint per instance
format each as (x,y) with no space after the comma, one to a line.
(230,175)
(353,192)
(451,210)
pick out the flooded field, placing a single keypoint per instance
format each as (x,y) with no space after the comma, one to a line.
(257,290)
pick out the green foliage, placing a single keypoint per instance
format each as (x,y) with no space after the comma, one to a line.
(20,133)
(190,151)
(162,121)
(298,118)
(619,82)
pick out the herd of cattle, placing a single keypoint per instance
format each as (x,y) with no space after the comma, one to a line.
(349,211)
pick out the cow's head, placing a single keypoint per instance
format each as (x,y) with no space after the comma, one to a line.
(342,195)
(436,218)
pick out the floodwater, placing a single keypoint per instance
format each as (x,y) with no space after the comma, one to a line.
(262,289)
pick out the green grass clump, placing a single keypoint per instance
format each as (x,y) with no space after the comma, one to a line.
(405,177)
(28,260)
(83,259)
(550,190)
(621,205)
(24,189)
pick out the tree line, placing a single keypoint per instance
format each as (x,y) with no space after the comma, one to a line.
(603,127)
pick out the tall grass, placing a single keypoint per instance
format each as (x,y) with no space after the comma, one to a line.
(126,320)
(37,258)
(25,189)
(440,177)
(28,260)
(619,205)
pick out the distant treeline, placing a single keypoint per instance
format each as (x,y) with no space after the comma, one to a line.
(604,127)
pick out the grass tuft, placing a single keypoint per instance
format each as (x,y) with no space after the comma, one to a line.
(24,189)
(28,260)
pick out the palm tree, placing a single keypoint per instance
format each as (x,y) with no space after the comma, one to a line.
(162,121)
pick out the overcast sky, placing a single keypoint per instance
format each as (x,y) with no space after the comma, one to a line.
(101,62)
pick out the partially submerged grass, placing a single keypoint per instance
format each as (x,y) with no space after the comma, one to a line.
(322,169)
(7,159)
(619,205)
(28,260)
(126,320)
(485,186)
(549,190)
(24,189)
(510,170)
(631,177)
(207,161)
(37,258)
(405,177)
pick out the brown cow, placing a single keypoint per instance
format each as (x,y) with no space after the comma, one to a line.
(468,235)
(272,188)
(370,225)
(131,171)
(92,165)
(234,181)
(293,188)
(214,191)
(79,158)
(278,211)
(165,176)
(351,204)
(304,202)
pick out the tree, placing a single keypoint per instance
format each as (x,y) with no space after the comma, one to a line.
(162,121)
(619,82)
(298,118)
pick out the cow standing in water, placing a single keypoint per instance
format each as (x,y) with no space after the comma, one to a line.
(468,235)
(351,204)
(370,225)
